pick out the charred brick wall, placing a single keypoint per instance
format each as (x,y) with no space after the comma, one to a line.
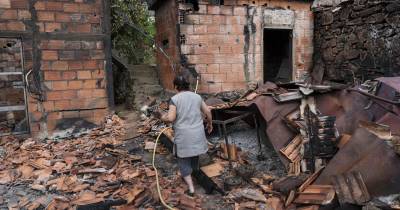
(357,38)
(66,47)
(224,43)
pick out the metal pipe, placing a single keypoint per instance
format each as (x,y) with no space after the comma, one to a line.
(374,96)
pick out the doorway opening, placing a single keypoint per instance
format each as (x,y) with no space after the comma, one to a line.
(278,66)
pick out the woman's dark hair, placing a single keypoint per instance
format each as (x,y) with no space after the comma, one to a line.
(181,83)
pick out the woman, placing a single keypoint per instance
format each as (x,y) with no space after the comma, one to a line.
(185,112)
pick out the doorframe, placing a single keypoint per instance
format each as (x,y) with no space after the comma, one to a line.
(292,59)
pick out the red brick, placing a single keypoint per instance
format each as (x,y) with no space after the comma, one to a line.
(54,116)
(40,5)
(15,26)
(93,18)
(225,68)
(51,125)
(48,106)
(213,68)
(62,105)
(86,8)
(241,11)
(59,65)
(215,88)
(5,4)
(55,44)
(219,19)
(85,93)
(205,19)
(237,49)
(60,85)
(96,103)
(24,14)
(54,6)
(63,17)
(99,93)
(213,29)
(9,14)
(69,75)
(91,64)
(226,10)
(200,29)
(58,95)
(71,8)
(235,77)
(84,74)
(67,55)
(84,28)
(74,85)
(52,75)
(237,67)
(220,77)
(51,27)
(49,55)
(212,9)
(45,16)
(86,114)
(71,114)
(75,65)
(100,113)
(89,84)
(20,4)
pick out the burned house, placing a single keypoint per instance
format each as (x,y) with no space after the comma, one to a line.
(230,43)
(54,65)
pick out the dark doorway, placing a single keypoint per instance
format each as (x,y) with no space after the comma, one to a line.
(277,55)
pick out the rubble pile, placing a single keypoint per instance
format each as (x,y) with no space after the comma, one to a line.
(92,171)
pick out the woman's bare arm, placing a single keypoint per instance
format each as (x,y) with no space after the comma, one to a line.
(170,116)
(207,112)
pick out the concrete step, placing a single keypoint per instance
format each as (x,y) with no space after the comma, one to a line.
(140,74)
(146,81)
(148,90)
(142,68)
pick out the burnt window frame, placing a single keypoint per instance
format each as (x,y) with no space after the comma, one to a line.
(25,106)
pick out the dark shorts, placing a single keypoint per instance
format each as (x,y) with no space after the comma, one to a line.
(188,165)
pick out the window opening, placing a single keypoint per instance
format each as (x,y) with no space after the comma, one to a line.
(13,108)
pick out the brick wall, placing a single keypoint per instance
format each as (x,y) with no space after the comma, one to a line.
(228,57)
(66,45)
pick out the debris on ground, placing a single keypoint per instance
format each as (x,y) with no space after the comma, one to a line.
(317,156)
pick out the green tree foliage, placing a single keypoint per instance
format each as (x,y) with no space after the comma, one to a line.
(128,17)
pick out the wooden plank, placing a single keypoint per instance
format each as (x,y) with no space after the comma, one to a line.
(351,188)
(292,150)
(213,169)
(310,180)
(316,194)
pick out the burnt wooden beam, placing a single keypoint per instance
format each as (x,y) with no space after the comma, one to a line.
(108,53)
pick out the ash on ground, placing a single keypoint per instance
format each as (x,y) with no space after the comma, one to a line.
(265,161)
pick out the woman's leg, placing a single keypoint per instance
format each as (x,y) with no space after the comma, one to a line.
(185,166)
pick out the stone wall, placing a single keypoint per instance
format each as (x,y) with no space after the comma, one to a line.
(66,44)
(224,43)
(357,37)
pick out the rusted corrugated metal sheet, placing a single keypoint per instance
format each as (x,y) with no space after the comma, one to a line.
(365,153)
